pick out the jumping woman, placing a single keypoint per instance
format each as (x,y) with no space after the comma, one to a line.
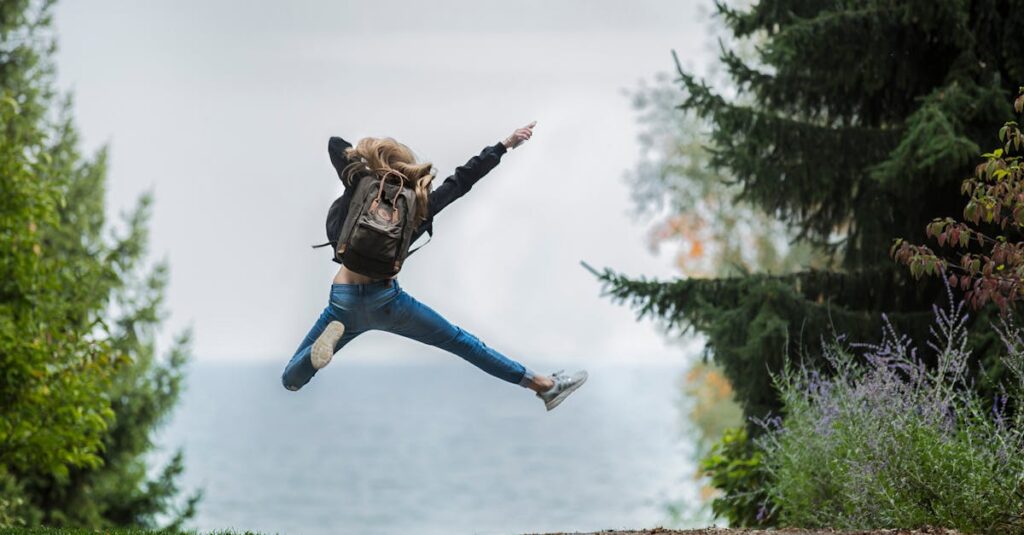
(387,204)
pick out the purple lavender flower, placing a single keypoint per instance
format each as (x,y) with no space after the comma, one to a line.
(869,442)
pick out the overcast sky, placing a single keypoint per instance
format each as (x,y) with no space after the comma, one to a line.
(223,110)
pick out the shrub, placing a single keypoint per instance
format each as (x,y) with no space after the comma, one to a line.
(988,246)
(888,442)
(736,467)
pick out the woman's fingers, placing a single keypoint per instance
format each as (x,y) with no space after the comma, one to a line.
(522,134)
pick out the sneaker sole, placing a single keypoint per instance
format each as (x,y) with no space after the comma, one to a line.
(557,400)
(323,348)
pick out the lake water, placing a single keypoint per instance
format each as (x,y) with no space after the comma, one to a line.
(430,448)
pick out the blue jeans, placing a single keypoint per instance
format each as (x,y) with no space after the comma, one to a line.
(385,306)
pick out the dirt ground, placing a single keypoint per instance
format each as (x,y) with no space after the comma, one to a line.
(724,531)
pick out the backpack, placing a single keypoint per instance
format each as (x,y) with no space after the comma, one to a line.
(374,237)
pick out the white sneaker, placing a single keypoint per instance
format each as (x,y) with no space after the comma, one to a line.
(323,347)
(564,385)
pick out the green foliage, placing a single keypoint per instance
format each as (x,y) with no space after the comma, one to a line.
(716,235)
(736,467)
(81,391)
(854,125)
(752,322)
(55,375)
(885,442)
(12,502)
(989,243)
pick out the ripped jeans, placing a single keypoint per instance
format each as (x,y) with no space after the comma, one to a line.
(384,306)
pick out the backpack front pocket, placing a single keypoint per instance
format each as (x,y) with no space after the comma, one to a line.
(374,240)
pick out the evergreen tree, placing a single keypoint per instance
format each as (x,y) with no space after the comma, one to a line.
(81,391)
(855,125)
(716,236)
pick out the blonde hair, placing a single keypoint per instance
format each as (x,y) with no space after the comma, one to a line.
(384,156)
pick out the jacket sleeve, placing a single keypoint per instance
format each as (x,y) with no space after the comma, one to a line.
(336,150)
(465,176)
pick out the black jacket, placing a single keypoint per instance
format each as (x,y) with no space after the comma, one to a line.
(452,188)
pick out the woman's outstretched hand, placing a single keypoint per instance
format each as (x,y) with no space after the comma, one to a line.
(519,136)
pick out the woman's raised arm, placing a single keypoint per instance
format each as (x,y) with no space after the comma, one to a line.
(336,150)
(466,175)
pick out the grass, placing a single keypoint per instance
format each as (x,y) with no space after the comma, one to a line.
(125,531)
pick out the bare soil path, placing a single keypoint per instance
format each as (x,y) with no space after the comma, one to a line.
(788,531)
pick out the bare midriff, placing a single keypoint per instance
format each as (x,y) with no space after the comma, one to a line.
(347,276)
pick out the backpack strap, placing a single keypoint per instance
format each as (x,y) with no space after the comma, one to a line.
(430,236)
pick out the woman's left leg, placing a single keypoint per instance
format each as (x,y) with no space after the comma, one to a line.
(300,368)
(412,319)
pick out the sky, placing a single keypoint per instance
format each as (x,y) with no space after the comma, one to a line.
(222,109)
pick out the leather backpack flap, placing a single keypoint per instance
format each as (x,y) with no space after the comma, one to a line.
(398,211)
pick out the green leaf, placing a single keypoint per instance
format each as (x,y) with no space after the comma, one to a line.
(12,103)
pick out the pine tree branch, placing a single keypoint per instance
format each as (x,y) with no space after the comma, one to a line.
(759,322)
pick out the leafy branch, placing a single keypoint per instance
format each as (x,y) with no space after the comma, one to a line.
(983,254)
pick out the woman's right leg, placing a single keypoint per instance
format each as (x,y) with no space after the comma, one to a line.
(300,369)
